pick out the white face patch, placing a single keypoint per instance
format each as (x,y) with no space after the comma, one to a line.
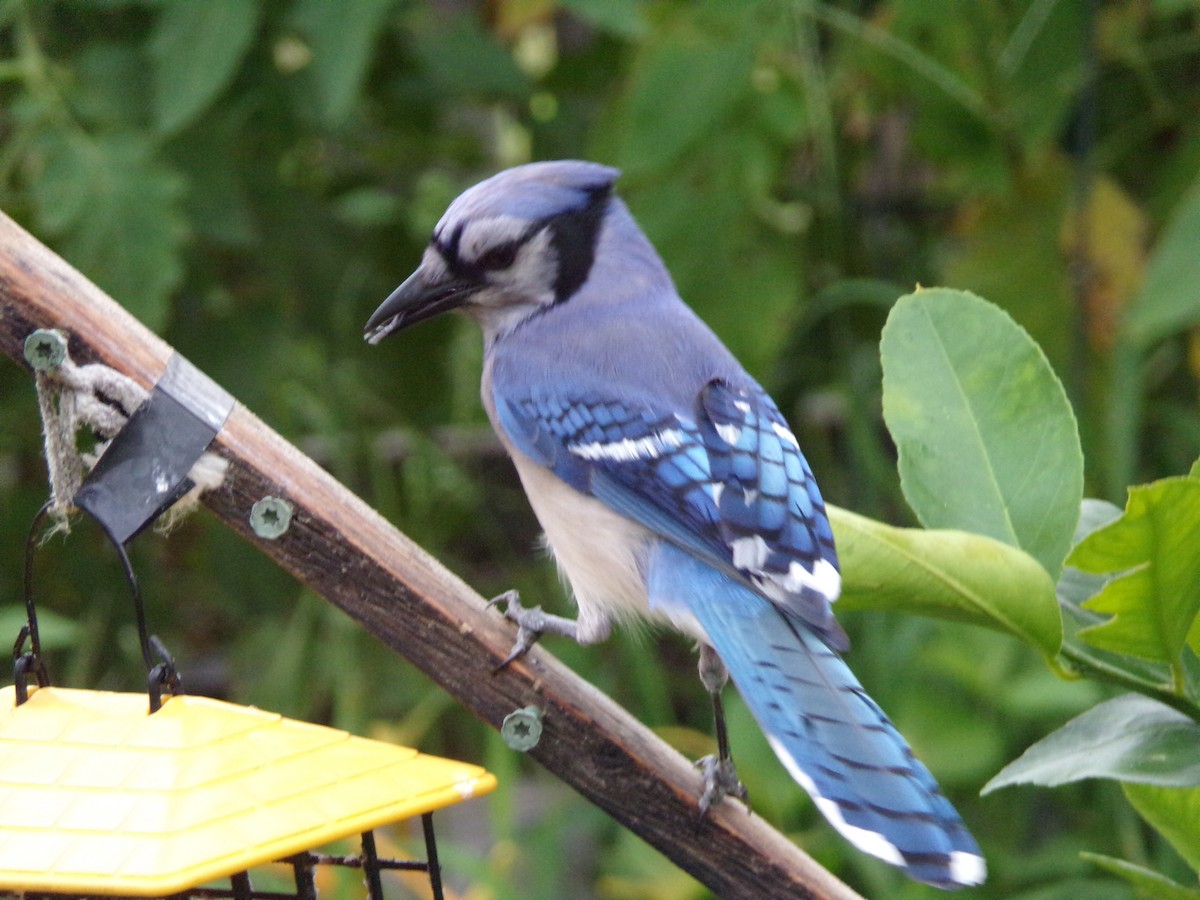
(532,273)
(629,449)
(511,295)
(481,235)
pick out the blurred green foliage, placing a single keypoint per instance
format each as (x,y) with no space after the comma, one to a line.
(251,179)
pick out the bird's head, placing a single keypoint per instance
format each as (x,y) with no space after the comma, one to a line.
(520,241)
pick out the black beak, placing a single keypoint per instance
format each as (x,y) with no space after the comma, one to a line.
(415,301)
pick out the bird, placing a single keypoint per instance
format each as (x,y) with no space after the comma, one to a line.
(671,489)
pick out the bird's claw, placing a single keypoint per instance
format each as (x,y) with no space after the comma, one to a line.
(531,624)
(511,601)
(720,781)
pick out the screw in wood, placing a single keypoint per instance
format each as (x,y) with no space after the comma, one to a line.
(270,517)
(45,349)
(522,728)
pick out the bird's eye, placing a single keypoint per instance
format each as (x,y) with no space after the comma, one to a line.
(499,257)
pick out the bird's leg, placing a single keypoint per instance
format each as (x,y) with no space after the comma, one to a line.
(531,624)
(720,777)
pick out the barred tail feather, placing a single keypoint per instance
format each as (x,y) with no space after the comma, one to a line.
(832,738)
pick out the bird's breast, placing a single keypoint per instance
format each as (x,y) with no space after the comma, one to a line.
(601,554)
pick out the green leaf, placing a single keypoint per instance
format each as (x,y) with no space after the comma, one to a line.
(342,37)
(1175,812)
(1008,246)
(1169,299)
(196,49)
(115,210)
(54,631)
(219,208)
(1042,71)
(625,18)
(1129,738)
(368,207)
(1075,588)
(1154,602)
(699,234)
(948,574)
(986,436)
(683,88)
(110,86)
(459,56)
(66,182)
(1147,882)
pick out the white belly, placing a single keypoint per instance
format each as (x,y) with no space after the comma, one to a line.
(601,555)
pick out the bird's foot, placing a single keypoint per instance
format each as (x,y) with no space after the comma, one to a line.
(531,624)
(720,781)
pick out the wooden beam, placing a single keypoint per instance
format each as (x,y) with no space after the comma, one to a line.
(346,552)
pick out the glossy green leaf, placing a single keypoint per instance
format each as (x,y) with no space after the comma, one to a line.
(1156,548)
(196,49)
(986,436)
(1148,882)
(1128,738)
(947,574)
(1169,299)
(1075,588)
(1175,812)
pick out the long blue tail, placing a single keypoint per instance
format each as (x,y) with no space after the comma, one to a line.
(833,739)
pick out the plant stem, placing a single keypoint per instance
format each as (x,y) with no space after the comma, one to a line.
(1102,671)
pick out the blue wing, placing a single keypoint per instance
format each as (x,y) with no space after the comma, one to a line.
(749,554)
(726,482)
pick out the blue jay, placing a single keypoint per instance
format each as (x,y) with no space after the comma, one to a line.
(671,488)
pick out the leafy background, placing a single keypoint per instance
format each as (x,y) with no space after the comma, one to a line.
(250,179)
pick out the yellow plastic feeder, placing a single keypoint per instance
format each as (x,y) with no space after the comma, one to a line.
(100,797)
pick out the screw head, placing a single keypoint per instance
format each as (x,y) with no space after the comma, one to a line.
(270,517)
(45,349)
(522,728)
